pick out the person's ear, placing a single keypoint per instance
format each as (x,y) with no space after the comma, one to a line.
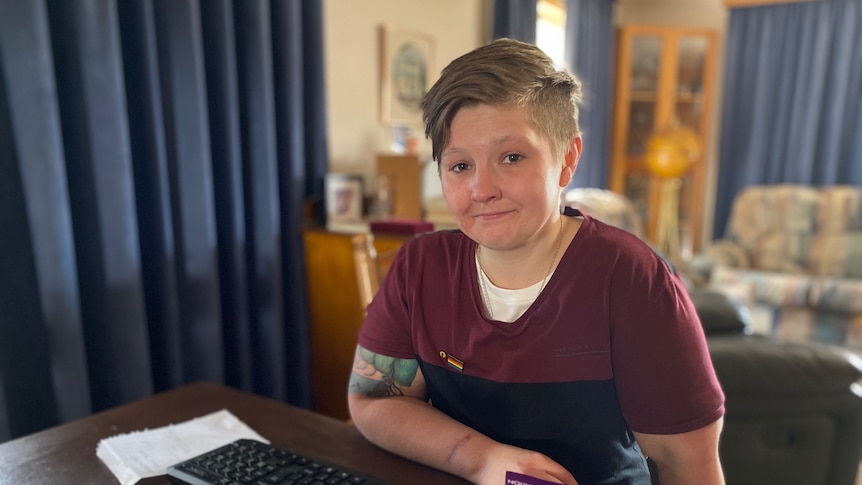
(570,161)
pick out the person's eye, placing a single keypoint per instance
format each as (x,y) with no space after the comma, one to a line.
(514,157)
(458,167)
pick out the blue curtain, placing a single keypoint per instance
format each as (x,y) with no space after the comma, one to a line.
(154,160)
(792,105)
(515,19)
(590,54)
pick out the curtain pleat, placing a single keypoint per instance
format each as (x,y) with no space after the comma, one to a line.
(155,157)
(515,19)
(187,137)
(22,337)
(314,88)
(257,118)
(32,142)
(300,140)
(152,188)
(791,104)
(223,104)
(88,67)
(589,48)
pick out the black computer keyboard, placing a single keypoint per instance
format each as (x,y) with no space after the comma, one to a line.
(252,462)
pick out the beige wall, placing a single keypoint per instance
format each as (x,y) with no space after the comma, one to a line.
(352,65)
(691,13)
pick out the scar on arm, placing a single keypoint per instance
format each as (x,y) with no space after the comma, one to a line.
(457,448)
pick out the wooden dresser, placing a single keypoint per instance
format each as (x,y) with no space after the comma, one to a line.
(335,312)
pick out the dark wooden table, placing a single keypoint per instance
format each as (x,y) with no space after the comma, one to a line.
(67,453)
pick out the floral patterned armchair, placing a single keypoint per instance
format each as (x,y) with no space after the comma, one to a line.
(794,254)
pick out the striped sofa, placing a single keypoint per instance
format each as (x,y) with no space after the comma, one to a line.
(794,255)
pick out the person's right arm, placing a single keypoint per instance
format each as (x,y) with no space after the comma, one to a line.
(388,403)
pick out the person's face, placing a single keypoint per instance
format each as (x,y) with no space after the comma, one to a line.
(501,178)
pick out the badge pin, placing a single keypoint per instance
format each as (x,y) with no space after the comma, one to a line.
(452,361)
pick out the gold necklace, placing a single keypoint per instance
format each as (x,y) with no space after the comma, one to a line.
(484,290)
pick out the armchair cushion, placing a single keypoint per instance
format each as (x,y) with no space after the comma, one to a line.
(835,254)
(761,210)
(783,251)
(758,366)
(720,314)
(821,254)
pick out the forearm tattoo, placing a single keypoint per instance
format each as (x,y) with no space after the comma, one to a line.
(377,375)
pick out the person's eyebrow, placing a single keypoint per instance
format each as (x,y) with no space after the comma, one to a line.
(451,151)
(496,141)
(503,139)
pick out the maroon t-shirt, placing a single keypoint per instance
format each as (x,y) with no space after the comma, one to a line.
(612,344)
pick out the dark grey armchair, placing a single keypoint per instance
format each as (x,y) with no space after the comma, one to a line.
(794,411)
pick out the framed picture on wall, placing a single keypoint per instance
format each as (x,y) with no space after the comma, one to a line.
(407,62)
(343,197)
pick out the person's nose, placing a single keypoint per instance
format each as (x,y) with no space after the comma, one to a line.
(485,185)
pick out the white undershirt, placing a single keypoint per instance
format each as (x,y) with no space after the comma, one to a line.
(508,305)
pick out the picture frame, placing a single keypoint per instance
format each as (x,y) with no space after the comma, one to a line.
(343,196)
(407,60)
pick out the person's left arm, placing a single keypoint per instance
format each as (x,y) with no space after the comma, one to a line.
(685,458)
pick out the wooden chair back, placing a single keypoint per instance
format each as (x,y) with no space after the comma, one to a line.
(371,266)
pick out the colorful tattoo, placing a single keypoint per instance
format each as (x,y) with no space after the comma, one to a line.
(377,375)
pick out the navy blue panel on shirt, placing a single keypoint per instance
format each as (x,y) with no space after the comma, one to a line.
(577,424)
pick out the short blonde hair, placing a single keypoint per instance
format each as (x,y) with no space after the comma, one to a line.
(505,72)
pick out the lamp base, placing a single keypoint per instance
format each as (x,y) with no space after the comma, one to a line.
(667,227)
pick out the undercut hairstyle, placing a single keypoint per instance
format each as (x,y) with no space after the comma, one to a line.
(505,73)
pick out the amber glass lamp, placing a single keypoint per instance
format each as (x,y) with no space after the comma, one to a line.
(670,154)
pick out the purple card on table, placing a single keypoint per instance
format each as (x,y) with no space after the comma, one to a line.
(513,478)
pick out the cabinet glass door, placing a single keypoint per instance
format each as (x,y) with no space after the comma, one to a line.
(643,96)
(646,51)
(688,112)
(689,91)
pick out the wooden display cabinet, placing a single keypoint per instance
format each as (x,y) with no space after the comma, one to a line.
(663,75)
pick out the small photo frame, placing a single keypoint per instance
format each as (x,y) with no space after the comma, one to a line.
(344,197)
(406,64)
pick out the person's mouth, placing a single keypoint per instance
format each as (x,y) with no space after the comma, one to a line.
(490,216)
